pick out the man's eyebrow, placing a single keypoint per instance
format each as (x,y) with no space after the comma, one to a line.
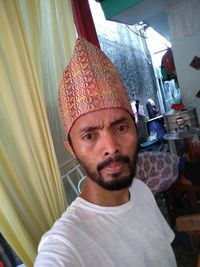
(122,119)
(93,128)
(89,129)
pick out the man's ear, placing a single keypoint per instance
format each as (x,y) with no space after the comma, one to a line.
(69,148)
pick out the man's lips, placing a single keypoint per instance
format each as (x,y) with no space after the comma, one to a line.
(113,163)
(114,167)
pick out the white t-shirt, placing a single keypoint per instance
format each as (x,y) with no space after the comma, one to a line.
(132,234)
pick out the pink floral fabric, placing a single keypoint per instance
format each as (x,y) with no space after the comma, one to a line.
(157,169)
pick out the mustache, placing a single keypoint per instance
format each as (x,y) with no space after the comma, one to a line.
(117,158)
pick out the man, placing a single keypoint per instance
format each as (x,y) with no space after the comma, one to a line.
(115,221)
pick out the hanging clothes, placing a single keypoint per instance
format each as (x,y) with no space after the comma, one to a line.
(168,69)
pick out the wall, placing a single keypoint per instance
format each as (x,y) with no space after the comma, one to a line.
(129,54)
(184,22)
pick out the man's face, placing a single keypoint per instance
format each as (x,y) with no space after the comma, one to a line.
(105,143)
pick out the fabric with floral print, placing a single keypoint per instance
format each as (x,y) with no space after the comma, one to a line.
(159,170)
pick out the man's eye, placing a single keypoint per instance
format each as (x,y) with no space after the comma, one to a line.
(88,136)
(122,128)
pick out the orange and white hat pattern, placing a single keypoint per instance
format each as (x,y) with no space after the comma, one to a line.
(90,82)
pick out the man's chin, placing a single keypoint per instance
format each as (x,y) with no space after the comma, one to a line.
(115,184)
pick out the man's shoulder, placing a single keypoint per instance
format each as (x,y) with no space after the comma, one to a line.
(66,226)
(138,185)
(142,191)
(59,243)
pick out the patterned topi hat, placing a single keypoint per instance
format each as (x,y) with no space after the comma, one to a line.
(90,82)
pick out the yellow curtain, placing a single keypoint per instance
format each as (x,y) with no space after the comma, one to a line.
(31,191)
(50,29)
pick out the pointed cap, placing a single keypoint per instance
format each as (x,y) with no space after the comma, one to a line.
(90,82)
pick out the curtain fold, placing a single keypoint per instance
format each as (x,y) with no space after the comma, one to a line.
(84,21)
(50,30)
(32,59)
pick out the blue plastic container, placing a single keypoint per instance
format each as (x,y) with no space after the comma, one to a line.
(157,125)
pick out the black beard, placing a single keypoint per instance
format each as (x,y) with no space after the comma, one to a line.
(119,180)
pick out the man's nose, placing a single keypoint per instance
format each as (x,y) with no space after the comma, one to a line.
(110,144)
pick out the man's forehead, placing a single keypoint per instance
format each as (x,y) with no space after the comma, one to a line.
(101,118)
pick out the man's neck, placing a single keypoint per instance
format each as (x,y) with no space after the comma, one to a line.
(97,195)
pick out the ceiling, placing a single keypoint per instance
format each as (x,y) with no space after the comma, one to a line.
(153,12)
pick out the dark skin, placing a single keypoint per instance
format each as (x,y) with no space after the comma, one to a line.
(105,143)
